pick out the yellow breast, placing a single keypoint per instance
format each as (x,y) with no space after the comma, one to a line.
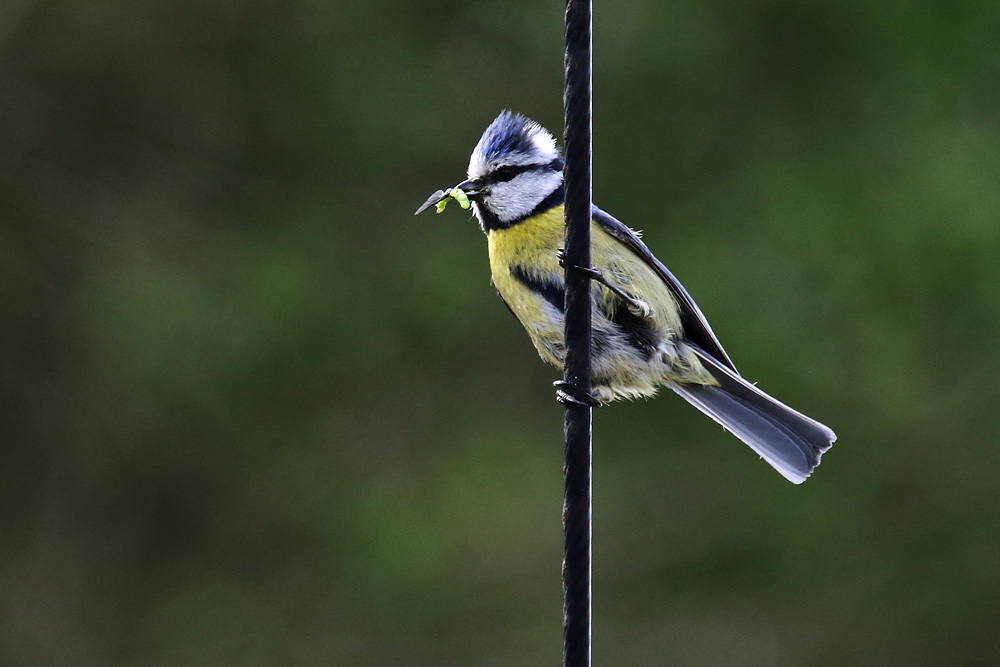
(533,243)
(530,243)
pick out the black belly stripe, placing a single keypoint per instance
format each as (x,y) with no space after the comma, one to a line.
(636,330)
(551,291)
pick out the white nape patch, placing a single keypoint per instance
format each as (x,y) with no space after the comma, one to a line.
(519,196)
(545,143)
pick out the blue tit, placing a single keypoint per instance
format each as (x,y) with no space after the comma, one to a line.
(647,330)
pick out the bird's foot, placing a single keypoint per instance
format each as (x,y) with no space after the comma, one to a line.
(567,392)
(639,308)
(636,306)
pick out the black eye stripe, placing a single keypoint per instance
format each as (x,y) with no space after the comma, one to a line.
(508,172)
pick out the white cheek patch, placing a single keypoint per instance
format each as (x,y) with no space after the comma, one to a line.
(519,196)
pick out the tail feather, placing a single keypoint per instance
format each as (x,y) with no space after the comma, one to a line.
(788,440)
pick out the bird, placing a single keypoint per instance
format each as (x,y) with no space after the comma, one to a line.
(647,331)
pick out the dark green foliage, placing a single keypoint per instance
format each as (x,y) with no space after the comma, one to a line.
(256,413)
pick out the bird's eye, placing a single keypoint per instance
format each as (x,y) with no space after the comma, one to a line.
(504,173)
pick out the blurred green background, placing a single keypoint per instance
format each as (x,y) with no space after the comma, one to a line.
(256,413)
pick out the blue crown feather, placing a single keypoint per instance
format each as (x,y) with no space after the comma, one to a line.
(510,133)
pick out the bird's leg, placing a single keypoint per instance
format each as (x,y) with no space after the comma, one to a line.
(637,307)
(567,392)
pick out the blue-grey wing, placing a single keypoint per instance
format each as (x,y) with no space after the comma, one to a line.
(696,327)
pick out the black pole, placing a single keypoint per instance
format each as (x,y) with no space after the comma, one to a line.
(577,498)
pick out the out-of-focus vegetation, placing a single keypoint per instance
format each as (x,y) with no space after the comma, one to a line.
(255,413)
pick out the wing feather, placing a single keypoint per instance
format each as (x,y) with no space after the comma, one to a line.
(696,327)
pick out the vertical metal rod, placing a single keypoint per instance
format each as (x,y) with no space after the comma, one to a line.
(578,489)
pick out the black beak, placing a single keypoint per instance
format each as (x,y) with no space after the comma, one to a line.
(468,187)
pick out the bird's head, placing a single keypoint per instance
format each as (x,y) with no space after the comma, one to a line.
(514,168)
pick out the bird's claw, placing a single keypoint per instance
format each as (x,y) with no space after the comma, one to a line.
(637,307)
(567,392)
